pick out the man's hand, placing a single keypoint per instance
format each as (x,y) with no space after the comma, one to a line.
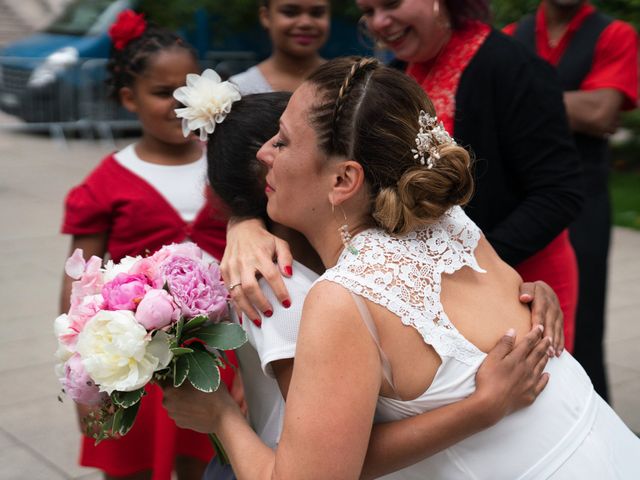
(545,311)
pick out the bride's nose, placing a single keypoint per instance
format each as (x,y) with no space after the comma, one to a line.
(265,154)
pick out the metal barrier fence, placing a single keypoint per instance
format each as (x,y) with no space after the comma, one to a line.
(74,98)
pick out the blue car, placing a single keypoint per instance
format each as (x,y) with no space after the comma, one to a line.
(58,74)
(52,75)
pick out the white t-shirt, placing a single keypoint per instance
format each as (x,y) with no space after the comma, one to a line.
(183,186)
(251,81)
(275,340)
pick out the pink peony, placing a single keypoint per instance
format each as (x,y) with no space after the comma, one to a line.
(125,291)
(157,310)
(187,249)
(150,268)
(91,280)
(69,326)
(78,384)
(196,288)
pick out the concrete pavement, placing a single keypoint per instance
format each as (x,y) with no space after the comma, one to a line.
(38,435)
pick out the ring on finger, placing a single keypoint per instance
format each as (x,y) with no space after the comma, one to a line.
(238,284)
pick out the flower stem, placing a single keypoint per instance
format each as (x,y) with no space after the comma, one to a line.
(219,449)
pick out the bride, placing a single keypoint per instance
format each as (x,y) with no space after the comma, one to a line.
(363,170)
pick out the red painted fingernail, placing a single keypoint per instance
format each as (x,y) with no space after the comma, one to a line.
(288,270)
(257,322)
(267,313)
(286,303)
(240,319)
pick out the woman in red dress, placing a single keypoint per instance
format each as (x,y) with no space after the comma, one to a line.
(149,194)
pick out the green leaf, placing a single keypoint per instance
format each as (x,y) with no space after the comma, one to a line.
(128,418)
(177,351)
(195,322)
(116,423)
(216,358)
(223,336)
(179,326)
(127,399)
(105,430)
(203,372)
(180,370)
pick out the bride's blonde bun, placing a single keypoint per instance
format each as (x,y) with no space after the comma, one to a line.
(422,195)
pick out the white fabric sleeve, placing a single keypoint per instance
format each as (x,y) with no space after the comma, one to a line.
(276,338)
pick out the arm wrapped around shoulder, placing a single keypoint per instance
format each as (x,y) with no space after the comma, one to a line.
(423,194)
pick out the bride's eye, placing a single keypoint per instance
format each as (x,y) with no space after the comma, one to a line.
(278,144)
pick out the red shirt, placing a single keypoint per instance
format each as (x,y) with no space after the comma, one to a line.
(615,59)
(136,217)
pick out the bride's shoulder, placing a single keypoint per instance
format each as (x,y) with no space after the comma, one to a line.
(329,305)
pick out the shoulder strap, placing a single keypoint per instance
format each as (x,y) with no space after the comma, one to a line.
(371,326)
(526,32)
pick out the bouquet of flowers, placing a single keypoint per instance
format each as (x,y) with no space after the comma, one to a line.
(144,319)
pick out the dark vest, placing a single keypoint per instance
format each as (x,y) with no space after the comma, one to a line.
(574,66)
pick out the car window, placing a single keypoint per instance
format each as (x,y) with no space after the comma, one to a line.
(84,17)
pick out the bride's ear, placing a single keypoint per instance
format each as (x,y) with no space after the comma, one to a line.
(348,180)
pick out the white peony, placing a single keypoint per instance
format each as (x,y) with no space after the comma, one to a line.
(207,101)
(118,353)
(112,269)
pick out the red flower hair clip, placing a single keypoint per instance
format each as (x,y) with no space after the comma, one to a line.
(128,26)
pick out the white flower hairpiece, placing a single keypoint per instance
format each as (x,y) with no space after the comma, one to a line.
(430,136)
(207,101)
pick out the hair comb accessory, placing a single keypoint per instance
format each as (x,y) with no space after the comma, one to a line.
(207,100)
(128,26)
(431,135)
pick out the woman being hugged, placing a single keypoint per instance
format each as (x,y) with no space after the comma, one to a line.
(413,297)
(150,194)
(298,29)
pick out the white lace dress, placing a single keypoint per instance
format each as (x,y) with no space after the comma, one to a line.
(568,433)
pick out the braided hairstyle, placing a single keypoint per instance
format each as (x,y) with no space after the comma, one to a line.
(369,113)
(131,61)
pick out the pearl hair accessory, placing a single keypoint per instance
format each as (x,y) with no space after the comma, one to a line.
(431,135)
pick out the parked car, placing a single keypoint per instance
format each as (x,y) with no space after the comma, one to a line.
(48,75)
(58,74)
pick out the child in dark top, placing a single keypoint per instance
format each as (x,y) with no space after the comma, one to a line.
(149,194)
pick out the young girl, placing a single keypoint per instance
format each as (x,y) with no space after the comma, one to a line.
(149,194)
(298,29)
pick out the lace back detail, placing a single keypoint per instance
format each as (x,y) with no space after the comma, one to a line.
(403,274)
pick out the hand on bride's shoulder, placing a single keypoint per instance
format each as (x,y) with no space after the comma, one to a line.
(511,376)
(545,311)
